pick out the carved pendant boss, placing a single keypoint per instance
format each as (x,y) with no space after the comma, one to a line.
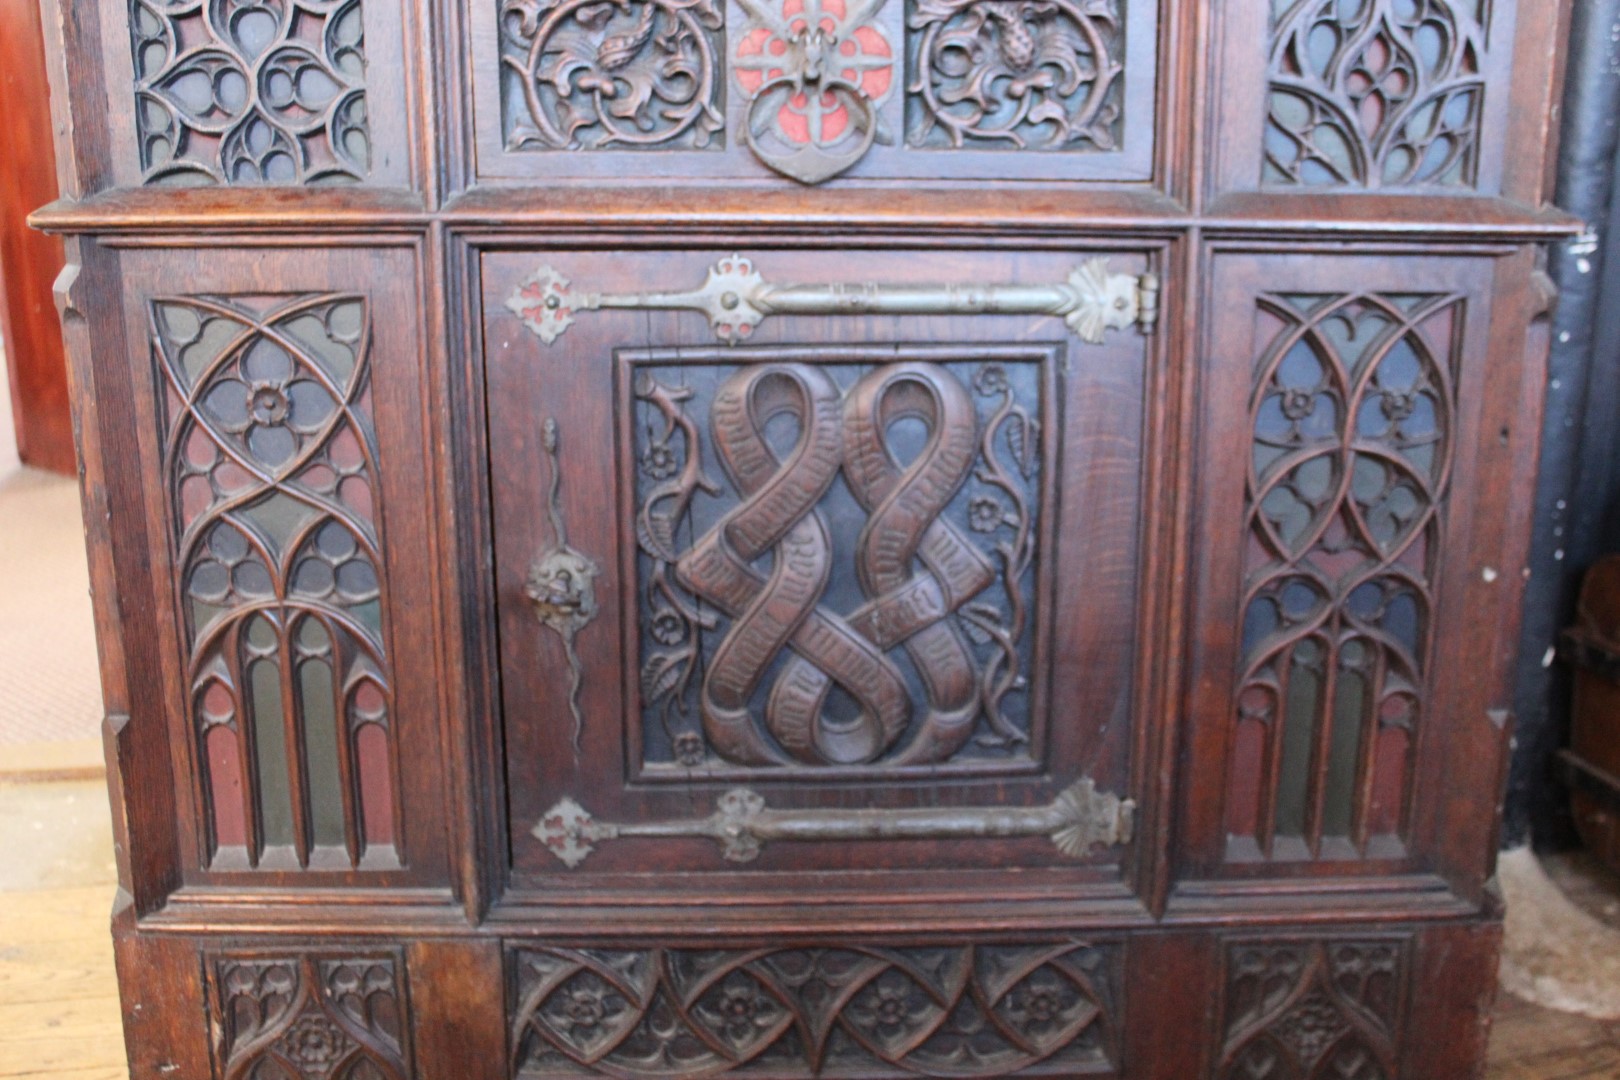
(814,78)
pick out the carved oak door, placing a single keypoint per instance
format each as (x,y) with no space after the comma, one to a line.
(782,589)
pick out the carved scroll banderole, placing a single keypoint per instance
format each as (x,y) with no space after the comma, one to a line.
(1078,820)
(736,299)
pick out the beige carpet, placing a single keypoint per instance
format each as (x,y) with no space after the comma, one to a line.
(50,689)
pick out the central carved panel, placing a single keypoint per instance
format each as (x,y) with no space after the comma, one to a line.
(836,562)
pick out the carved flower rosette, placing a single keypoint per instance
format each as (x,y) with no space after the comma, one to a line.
(611,74)
(1036,74)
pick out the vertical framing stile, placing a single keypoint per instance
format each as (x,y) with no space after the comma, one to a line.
(482,864)
(1186,133)
(425,119)
(457,141)
(1485,577)
(73,64)
(139,766)
(138,885)
(1167,479)
(1540,58)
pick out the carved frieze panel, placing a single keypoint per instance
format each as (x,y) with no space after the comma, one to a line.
(598,75)
(836,561)
(1353,418)
(271,481)
(310,1017)
(1015,74)
(1376,93)
(1312,1010)
(811,89)
(250,91)
(1049,1008)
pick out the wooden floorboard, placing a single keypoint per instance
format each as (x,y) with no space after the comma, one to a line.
(59,1014)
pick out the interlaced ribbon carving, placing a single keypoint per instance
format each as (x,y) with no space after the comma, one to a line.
(778,515)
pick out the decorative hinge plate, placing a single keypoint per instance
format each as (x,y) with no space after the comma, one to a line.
(1079,819)
(736,298)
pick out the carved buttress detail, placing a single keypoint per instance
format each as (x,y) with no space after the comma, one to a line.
(1024,74)
(906,589)
(1048,1008)
(309,1017)
(271,464)
(601,75)
(250,91)
(1324,1010)
(1376,93)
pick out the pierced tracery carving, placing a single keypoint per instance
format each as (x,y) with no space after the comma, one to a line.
(272,487)
(1376,92)
(310,1018)
(1353,418)
(901,590)
(250,91)
(612,74)
(1047,1008)
(1030,74)
(1312,1010)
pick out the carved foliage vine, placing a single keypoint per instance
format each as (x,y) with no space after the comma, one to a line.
(1376,93)
(250,91)
(309,1018)
(612,74)
(1035,74)
(930,540)
(984,1011)
(1312,1010)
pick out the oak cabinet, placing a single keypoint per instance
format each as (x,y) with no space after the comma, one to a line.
(792,538)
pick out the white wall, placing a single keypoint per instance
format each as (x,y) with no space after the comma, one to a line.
(8,433)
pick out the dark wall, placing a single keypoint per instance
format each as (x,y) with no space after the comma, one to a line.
(1578,497)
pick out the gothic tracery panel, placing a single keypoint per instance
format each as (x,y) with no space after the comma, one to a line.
(1312,1010)
(837,561)
(974,1011)
(250,91)
(271,466)
(315,1017)
(1353,419)
(1376,93)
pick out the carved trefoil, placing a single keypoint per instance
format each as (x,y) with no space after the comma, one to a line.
(1312,1010)
(271,468)
(612,74)
(1015,74)
(309,1017)
(250,91)
(1044,1008)
(1376,93)
(837,562)
(1353,413)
